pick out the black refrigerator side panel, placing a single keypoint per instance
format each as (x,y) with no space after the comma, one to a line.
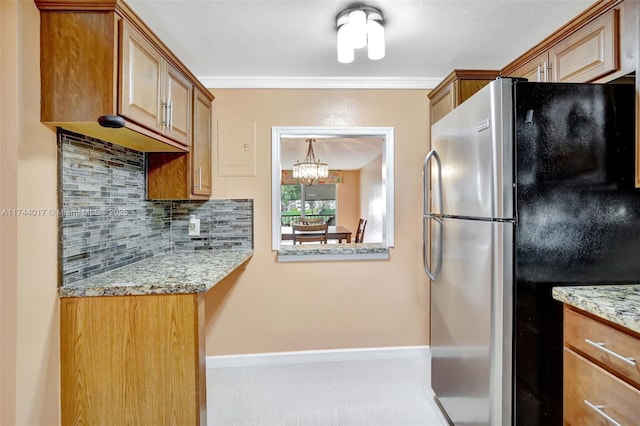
(577,221)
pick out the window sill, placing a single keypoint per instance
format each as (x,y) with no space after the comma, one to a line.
(329,252)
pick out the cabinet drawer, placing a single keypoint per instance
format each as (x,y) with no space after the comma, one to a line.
(580,329)
(591,394)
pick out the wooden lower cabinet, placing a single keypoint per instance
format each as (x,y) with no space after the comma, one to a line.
(135,360)
(599,388)
(592,394)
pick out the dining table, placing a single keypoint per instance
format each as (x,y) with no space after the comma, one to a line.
(340,233)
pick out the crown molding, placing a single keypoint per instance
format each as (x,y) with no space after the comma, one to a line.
(227,82)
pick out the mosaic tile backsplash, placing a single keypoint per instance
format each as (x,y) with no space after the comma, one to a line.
(106,222)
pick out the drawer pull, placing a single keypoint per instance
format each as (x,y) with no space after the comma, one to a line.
(598,409)
(600,345)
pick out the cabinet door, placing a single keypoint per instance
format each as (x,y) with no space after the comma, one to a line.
(590,53)
(536,70)
(132,360)
(443,103)
(141,80)
(201,150)
(178,97)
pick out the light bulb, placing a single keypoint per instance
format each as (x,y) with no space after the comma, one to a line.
(345,48)
(375,47)
(358,28)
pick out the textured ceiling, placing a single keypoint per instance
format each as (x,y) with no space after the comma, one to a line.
(292,43)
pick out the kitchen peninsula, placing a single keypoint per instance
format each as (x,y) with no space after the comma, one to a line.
(133,340)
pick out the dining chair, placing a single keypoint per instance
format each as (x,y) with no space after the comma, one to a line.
(310,233)
(311,220)
(362,225)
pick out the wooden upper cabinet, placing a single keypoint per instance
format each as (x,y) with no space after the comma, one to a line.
(442,102)
(98,58)
(537,69)
(178,99)
(153,92)
(457,87)
(178,176)
(600,45)
(585,50)
(590,53)
(201,152)
(141,90)
(77,84)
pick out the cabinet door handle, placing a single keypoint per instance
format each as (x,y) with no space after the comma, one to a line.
(598,409)
(601,346)
(170,115)
(200,177)
(545,71)
(165,114)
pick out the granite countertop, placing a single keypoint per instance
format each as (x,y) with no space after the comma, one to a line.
(348,251)
(179,272)
(619,304)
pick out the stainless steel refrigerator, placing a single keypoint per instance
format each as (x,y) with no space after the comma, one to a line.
(527,186)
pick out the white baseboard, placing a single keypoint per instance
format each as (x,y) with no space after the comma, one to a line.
(295,357)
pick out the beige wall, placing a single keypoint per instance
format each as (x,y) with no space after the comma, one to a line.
(349,199)
(8,200)
(29,303)
(273,306)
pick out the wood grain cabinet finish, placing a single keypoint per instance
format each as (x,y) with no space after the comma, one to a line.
(588,54)
(587,49)
(201,153)
(133,360)
(185,176)
(601,371)
(457,87)
(536,69)
(153,93)
(98,58)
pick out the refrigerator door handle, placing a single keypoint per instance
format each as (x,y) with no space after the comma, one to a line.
(426,237)
(426,181)
(426,228)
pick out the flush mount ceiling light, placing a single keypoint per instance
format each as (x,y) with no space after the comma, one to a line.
(360,26)
(310,169)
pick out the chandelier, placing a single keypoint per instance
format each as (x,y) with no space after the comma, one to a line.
(360,26)
(310,169)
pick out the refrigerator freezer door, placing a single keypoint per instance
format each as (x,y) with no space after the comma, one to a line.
(470,322)
(474,144)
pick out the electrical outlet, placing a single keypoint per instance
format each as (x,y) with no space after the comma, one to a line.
(194,226)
